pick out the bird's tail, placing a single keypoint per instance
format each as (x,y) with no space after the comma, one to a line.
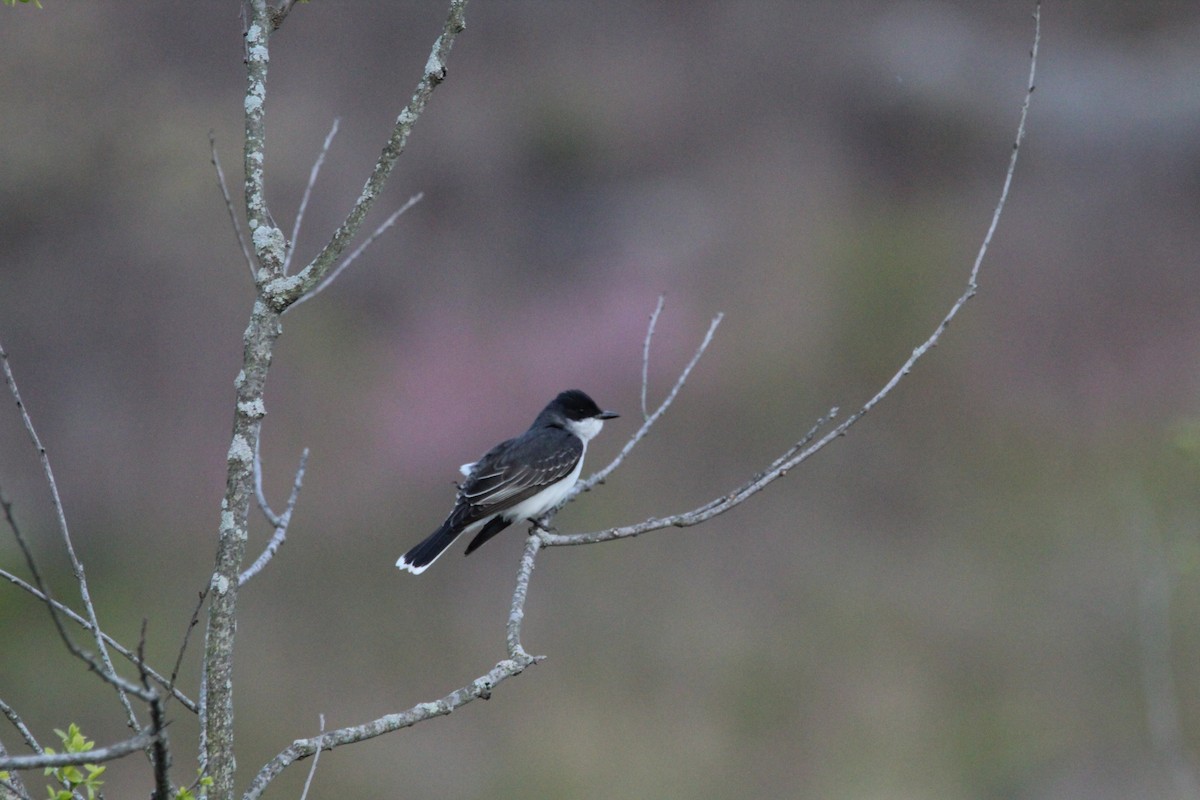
(418,559)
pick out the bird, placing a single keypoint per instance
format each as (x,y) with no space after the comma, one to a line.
(519,479)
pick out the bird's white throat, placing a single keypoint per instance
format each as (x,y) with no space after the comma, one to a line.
(585,428)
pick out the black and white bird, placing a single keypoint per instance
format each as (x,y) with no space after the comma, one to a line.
(520,479)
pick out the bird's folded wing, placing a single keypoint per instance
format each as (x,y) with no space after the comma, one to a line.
(520,468)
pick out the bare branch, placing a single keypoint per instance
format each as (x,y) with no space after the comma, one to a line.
(202,712)
(646,353)
(113,643)
(279,14)
(332,276)
(13,786)
(312,180)
(285,291)
(266,239)
(303,748)
(312,770)
(187,635)
(262,330)
(481,687)
(233,217)
(114,751)
(259,494)
(802,450)
(280,522)
(217,733)
(517,611)
(19,724)
(276,292)
(105,671)
(160,752)
(602,474)
(105,668)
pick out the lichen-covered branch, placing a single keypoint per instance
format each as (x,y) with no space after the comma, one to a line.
(258,342)
(114,751)
(276,292)
(286,290)
(303,748)
(266,238)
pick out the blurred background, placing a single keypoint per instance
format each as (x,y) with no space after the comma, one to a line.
(987,590)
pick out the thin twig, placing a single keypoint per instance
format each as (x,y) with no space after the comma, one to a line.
(259,494)
(798,453)
(286,290)
(233,217)
(114,751)
(11,787)
(543,522)
(312,770)
(280,522)
(333,275)
(121,649)
(480,688)
(312,180)
(802,443)
(777,469)
(646,353)
(599,476)
(20,725)
(187,635)
(160,752)
(105,671)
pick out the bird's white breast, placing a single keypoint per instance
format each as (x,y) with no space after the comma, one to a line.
(549,497)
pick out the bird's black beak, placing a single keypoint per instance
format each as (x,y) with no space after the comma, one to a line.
(607,415)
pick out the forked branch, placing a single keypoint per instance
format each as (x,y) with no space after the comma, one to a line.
(283,291)
(277,291)
(795,454)
(803,450)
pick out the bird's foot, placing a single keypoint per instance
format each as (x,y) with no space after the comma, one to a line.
(536,525)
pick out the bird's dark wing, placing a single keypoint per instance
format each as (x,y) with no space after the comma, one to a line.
(516,470)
